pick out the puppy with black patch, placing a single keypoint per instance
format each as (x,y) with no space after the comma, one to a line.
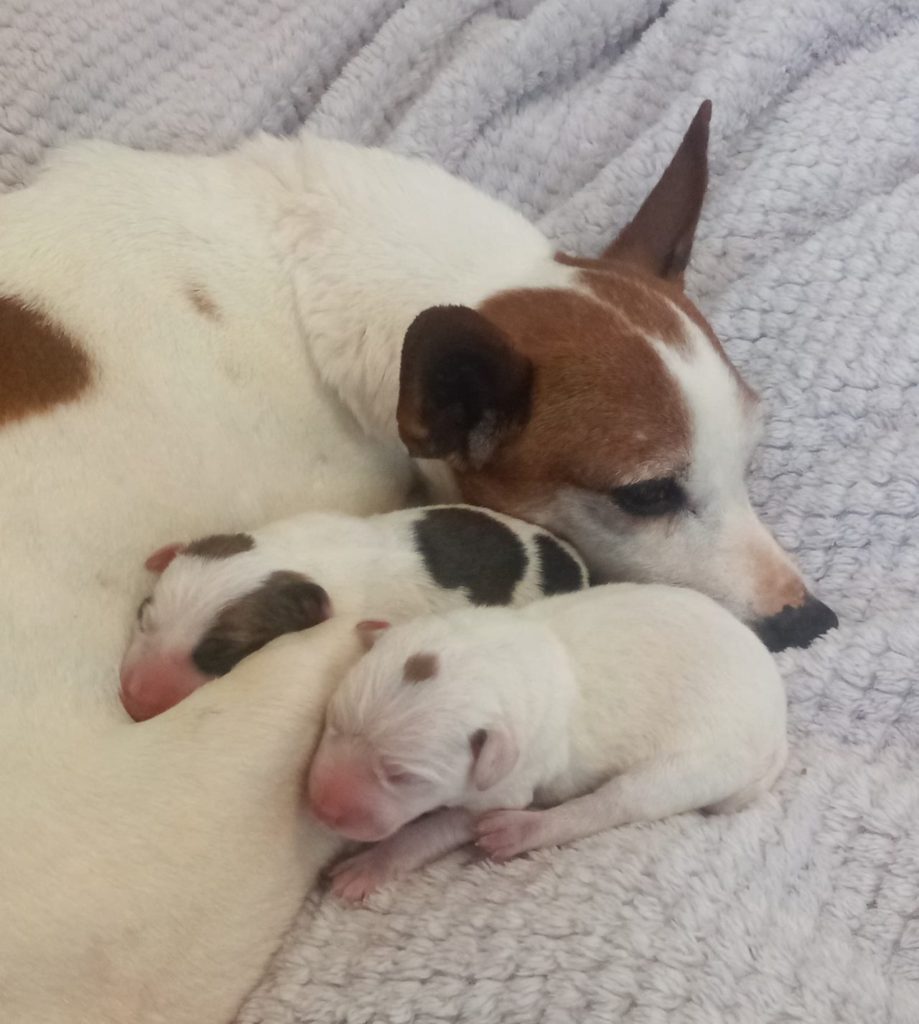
(220,598)
(620,704)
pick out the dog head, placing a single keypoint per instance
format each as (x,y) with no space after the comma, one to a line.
(416,725)
(609,412)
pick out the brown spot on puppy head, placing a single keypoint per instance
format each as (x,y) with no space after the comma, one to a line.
(221,545)
(41,366)
(286,602)
(203,302)
(421,667)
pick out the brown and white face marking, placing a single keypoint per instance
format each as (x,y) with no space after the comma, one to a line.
(609,413)
(216,602)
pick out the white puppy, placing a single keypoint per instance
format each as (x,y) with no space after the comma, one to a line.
(222,597)
(620,704)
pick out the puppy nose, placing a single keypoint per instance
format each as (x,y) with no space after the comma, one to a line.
(329,812)
(156,683)
(796,626)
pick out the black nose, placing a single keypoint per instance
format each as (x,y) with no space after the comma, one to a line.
(796,626)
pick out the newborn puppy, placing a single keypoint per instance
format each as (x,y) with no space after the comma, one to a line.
(223,597)
(624,703)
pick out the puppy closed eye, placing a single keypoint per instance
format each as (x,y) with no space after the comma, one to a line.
(396,775)
(647,498)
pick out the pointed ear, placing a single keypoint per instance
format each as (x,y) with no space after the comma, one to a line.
(659,238)
(495,753)
(463,388)
(160,558)
(370,630)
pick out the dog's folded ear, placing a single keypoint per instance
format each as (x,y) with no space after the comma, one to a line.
(463,388)
(659,238)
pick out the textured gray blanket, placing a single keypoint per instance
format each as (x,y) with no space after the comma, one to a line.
(806,907)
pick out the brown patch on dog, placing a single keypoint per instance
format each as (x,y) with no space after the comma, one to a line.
(421,667)
(220,545)
(203,302)
(41,366)
(646,303)
(604,412)
(646,300)
(286,602)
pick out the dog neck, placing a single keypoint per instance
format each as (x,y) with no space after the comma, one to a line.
(371,239)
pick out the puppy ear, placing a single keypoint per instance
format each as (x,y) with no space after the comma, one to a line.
(495,753)
(160,558)
(313,602)
(659,238)
(370,630)
(463,388)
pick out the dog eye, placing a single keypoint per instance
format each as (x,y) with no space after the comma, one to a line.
(398,776)
(650,497)
(141,608)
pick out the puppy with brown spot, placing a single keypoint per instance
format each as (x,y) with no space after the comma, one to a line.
(223,597)
(620,704)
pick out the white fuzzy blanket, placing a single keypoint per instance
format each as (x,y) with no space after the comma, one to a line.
(806,907)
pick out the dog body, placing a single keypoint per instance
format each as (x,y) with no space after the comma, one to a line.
(190,344)
(620,704)
(221,598)
(150,870)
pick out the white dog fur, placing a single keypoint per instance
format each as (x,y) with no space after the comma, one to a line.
(615,705)
(172,850)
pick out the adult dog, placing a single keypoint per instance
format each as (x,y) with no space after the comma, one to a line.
(193,344)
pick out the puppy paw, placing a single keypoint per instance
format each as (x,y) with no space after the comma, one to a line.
(506,834)
(355,878)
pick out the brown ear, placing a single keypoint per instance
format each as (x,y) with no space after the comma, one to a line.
(659,238)
(463,388)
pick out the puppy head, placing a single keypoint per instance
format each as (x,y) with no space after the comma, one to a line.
(216,601)
(608,412)
(413,727)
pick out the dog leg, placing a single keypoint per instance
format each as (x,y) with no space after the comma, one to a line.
(413,846)
(652,791)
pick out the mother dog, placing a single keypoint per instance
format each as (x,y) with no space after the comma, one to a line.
(193,344)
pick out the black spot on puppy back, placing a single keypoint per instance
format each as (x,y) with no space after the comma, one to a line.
(559,571)
(463,548)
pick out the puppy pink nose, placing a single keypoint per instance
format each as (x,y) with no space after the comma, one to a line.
(156,683)
(329,812)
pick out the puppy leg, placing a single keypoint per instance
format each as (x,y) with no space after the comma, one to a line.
(655,790)
(413,846)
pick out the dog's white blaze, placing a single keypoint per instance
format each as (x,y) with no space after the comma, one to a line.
(723,425)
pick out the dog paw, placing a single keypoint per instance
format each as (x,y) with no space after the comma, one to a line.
(506,834)
(357,877)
